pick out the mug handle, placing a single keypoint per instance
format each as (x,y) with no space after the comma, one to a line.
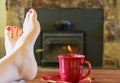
(88,71)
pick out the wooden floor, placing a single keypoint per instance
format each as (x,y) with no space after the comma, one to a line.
(100,75)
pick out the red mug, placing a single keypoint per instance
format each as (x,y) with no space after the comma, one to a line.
(71,67)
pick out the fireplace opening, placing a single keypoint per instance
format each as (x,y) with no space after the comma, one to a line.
(55,43)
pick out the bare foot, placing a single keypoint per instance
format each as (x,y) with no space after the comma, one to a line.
(12,34)
(31,30)
(20,64)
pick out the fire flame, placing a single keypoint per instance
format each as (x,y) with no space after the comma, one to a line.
(69,48)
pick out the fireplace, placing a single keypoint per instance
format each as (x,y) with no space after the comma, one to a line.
(55,43)
(85,36)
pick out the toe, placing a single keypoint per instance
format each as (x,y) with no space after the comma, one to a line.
(14,31)
(8,31)
(19,32)
(32,15)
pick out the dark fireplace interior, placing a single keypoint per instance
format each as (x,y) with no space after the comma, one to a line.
(69,30)
(55,43)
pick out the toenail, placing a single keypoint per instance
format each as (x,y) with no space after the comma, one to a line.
(14,26)
(8,28)
(30,11)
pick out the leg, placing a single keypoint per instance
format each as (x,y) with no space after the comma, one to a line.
(21,64)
